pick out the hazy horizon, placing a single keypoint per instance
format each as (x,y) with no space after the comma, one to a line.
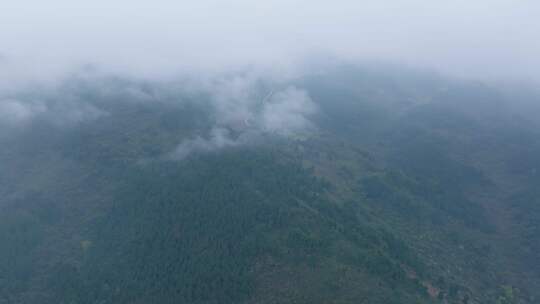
(485,40)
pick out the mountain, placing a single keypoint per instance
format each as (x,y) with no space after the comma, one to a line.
(370,184)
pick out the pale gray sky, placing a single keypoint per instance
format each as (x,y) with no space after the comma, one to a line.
(475,38)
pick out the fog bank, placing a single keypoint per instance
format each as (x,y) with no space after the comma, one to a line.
(495,39)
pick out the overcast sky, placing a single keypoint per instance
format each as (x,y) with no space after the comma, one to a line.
(473,38)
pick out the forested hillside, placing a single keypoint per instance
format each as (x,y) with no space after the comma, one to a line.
(354,185)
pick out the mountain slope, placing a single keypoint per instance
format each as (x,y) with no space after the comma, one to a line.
(407,188)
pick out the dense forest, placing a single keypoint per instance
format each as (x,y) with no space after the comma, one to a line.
(398,186)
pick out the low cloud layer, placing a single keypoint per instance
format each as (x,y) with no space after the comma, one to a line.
(233,109)
(480,39)
(17,113)
(158,42)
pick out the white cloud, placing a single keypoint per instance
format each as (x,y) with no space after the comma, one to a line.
(14,112)
(219,138)
(287,112)
(243,110)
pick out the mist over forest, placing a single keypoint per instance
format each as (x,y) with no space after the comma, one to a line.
(280,152)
